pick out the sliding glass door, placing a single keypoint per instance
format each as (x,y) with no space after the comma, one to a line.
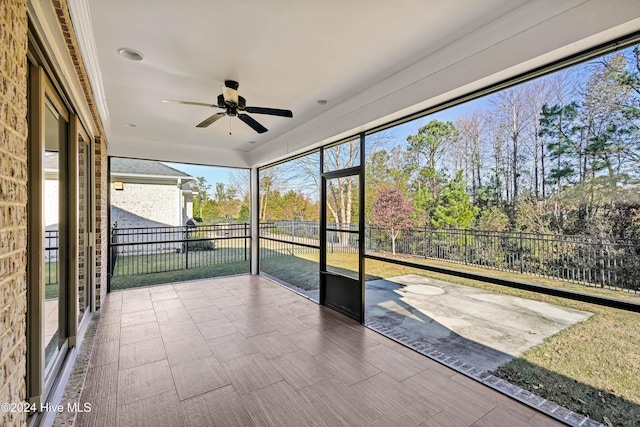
(59,233)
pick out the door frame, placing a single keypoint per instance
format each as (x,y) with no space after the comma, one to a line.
(329,279)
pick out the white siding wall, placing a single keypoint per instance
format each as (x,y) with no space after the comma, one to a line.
(146,205)
(187,208)
(51,201)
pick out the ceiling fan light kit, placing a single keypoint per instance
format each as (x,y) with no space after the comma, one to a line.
(235,105)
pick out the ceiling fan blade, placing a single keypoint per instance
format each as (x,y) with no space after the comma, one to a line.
(206,122)
(202,104)
(270,111)
(252,123)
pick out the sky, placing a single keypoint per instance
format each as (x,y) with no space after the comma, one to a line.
(212,174)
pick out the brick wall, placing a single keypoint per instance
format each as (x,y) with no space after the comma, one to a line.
(13,205)
(102,223)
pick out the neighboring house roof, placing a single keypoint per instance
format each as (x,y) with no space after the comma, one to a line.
(122,166)
(188,188)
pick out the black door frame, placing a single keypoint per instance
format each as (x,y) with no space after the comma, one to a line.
(329,279)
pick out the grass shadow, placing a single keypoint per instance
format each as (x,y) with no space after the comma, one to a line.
(597,404)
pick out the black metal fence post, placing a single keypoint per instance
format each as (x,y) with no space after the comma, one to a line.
(245,241)
(466,244)
(602,272)
(521,254)
(113,256)
(186,250)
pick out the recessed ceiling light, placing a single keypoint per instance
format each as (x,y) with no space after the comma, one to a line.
(131,125)
(130,54)
(322,101)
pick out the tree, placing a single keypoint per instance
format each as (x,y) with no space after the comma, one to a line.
(424,198)
(530,217)
(428,147)
(392,212)
(266,189)
(201,188)
(244,214)
(539,94)
(493,219)
(558,124)
(471,129)
(611,120)
(297,207)
(391,168)
(455,209)
(513,113)
(593,144)
(225,198)
(210,210)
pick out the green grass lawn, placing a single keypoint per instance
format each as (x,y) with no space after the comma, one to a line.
(50,280)
(591,368)
(133,281)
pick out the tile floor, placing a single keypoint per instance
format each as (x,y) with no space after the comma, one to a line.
(243,351)
(50,319)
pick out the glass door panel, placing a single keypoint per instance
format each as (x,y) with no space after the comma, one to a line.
(340,260)
(342,156)
(55,190)
(342,205)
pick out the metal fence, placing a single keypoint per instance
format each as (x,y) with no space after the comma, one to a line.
(297,237)
(604,262)
(147,250)
(592,261)
(51,250)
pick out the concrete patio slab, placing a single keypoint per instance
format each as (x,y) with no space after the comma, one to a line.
(484,329)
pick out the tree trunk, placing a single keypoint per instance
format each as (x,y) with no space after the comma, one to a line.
(393,241)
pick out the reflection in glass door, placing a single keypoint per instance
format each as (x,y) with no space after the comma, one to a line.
(55,190)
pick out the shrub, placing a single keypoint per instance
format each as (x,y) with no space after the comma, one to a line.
(199,245)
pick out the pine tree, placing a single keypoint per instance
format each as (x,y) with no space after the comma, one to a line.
(455,209)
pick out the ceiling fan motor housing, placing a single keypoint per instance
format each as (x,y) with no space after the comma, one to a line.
(242,103)
(231,84)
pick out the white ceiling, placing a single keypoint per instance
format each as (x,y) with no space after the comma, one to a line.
(374,60)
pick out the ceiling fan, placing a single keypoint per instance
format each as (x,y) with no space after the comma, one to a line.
(234,105)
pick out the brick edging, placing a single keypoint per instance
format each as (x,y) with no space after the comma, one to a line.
(532,400)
